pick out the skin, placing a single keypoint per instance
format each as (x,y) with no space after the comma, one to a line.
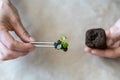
(10,21)
(11,49)
(113,43)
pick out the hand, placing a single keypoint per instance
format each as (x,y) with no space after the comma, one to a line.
(10,21)
(113,43)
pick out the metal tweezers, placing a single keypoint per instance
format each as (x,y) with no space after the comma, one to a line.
(43,44)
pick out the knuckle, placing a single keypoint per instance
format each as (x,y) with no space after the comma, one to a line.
(11,45)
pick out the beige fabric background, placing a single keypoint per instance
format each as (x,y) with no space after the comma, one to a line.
(46,20)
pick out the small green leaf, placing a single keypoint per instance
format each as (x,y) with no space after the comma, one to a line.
(65,45)
(63,38)
(59,46)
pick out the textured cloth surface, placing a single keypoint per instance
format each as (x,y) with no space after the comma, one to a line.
(46,20)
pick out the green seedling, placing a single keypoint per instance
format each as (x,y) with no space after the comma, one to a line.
(65,45)
(62,44)
(63,38)
(59,46)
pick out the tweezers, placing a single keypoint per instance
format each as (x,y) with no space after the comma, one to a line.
(43,44)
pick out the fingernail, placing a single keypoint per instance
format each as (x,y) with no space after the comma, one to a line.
(32,39)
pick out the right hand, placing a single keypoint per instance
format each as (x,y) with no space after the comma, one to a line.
(10,21)
(113,43)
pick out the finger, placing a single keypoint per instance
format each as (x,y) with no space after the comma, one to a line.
(115,33)
(4,58)
(116,44)
(108,40)
(107,32)
(87,49)
(20,30)
(12,44)
(17,25)
(3,53)
(117,23)
(12,55)
(22,33)
(108,53)
(7,54)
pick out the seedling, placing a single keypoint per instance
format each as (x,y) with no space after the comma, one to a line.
(62,44)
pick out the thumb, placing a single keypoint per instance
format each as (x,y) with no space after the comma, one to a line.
(115,31)
(113,34)
(108,38)
(22,33)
